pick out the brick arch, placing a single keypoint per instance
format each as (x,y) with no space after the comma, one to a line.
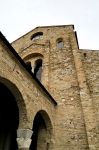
(46,119)
(47,123)
(32,55)
(19,100)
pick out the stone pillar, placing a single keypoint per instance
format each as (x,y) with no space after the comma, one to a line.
(24,138)
(86,99)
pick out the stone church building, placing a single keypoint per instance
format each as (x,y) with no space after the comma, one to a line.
(49,92)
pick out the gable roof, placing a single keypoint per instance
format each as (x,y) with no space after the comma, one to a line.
(39,27)
(25,66)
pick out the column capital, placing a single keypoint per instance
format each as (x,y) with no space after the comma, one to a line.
(24,133)
(24,138)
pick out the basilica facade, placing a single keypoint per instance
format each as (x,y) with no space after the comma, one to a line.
(49,92)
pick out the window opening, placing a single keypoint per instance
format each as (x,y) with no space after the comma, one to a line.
(60,43)
(29,65)
(38,69)
(85,55)
(37,36)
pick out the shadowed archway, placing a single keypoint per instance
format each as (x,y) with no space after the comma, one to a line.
(42,131)
(14,90)
(9,119)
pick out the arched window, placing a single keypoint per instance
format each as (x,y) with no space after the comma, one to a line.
(29,65)
(37,36)
(38,69)
(60,43)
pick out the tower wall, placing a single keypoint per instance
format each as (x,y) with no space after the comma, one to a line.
(64,77)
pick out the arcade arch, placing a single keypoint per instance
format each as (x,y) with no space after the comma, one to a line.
(42,132)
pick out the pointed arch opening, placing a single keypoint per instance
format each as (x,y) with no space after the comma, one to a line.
(42,132)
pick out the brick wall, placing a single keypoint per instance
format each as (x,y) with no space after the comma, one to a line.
(70,78)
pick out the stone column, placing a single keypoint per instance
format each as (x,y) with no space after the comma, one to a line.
(24,138)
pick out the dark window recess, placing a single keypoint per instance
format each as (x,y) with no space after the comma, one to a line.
(85,55)
(29,65)
(37,36)
(38,69)
(60,43)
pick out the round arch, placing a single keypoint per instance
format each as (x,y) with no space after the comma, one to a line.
(19,100)
(60,43)
(32,55)
(42,131)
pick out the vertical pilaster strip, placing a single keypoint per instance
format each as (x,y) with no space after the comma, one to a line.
(86,99)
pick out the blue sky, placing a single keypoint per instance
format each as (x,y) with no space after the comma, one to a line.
(20,16)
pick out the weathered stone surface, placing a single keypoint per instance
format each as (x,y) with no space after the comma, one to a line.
(24,138)
(70,75)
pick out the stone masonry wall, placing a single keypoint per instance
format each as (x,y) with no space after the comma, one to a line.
(69,78)
(34,99)
(90,59)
